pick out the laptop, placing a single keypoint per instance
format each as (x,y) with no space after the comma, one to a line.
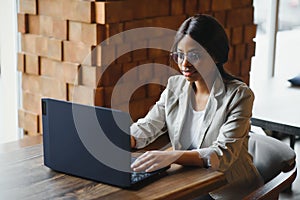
(91,142)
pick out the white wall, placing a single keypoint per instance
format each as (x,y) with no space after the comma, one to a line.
(9,81)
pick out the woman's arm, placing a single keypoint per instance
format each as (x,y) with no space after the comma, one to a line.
(154,160)
(132,142)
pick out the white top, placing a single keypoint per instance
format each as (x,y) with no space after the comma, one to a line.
(189,137)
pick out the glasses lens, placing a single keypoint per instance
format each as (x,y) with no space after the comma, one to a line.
(193,57)
(178,57)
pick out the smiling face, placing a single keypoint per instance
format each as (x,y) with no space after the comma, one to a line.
(193,60)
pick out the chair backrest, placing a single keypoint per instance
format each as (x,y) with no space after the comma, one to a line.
(270,156)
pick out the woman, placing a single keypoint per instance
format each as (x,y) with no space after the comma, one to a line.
(206,112)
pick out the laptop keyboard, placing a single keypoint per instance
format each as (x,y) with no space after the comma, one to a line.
(138,176)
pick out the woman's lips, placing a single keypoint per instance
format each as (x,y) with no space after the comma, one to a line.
(188,73)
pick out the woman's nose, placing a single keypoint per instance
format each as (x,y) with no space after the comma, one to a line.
(185,61)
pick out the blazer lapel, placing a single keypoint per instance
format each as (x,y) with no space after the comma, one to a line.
(182,109)
(217,90)
(209,114)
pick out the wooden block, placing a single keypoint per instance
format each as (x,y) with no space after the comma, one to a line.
(221,17)
(99,97)
(126,92)
(154,90)
(245,67)
(59,29)
(221,5)
(191,7)
(57,9)
(130,72)
(228,32)
(111,75)
(46,25)
(74,31)
(177,7)
(106,12)
(28,43)
(160,44)
(31,83)
(77,52)
(41,46)
(139,93)
(146,72)
(240,52)
(34,24)
(50,67)
(28,6)
(156,53)
(31,102)
(249,33)
(53,88)
(21,62)
(240,17)
(93,34)
(90,34)
(237,35)
(105,55)
(231,53)
(70,73)
(28,120)
(143,9)
(140,108)
(32,64)
(90,76)
(113,29)
(100,12)
(54,49)
(22,23)
(250,49)
(170,22)
(62,71)
(124,53)
(204,6)
(85,95)
(239,3)
(82,11)
(232,68)
(164,60)
(140,51)
(107,95)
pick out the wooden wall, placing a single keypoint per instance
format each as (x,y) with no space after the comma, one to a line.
(57,35)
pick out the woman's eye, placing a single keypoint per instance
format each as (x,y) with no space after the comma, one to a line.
(194,56)
(181,56)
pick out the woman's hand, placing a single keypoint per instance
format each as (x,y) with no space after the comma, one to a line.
(154,160)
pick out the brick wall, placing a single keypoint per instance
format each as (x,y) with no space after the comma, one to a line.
(56,36)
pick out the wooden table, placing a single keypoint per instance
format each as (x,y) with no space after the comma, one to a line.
(24,176)
(277,107)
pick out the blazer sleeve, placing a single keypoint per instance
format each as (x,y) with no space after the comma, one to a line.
(147,129)
(235,128)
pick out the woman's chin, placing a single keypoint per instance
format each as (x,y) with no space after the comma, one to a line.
(190,77)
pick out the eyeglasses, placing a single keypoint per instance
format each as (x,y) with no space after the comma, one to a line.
(192,57)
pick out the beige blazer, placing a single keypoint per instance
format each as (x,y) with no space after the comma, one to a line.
(224,129)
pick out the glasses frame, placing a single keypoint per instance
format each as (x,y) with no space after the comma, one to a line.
(191,56)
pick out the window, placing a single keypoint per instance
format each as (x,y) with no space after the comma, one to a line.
(277,39)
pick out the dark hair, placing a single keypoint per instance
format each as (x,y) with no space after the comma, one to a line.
(210,34)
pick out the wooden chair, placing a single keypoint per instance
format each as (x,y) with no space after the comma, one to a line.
(276,163)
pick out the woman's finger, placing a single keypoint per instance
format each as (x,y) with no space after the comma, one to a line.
(143,166)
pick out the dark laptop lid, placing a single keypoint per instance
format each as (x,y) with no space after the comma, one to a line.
(87,141)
